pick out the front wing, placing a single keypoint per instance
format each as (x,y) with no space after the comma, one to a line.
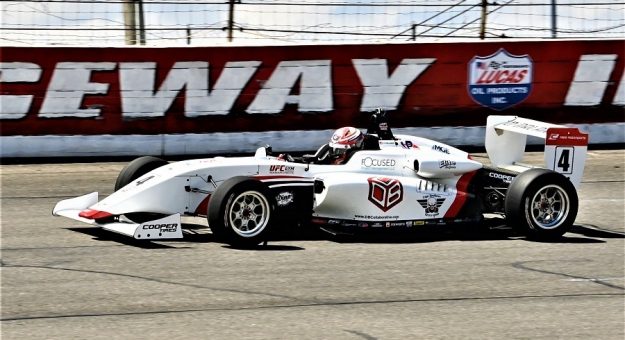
(168,227)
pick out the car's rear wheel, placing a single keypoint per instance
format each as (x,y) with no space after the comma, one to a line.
(541,204)
(136,169)
(240,212)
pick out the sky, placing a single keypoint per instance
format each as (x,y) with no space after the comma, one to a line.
(203,22)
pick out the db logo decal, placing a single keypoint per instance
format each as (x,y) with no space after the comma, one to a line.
(385,193)
(500,80)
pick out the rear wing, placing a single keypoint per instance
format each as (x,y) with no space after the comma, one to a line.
(565,147)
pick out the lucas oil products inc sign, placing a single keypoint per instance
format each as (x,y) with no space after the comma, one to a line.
(500,80)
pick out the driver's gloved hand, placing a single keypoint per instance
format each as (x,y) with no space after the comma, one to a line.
(286,157)
(309,159)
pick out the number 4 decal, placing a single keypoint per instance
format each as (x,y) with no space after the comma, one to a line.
(564,159)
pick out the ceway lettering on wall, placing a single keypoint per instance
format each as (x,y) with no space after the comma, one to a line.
(142,97)
(384,90)
(16,106)
(591,80)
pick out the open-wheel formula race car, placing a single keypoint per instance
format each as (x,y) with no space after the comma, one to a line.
(393,181)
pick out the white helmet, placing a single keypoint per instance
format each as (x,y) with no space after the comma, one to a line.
(344,139)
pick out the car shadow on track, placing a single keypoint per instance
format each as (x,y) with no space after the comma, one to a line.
(196,233)
(493,232)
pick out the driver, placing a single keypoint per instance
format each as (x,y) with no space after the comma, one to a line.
(344,142)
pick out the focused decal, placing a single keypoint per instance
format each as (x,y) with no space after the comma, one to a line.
(500,80)
(370,162)
(385,193)
(431,204)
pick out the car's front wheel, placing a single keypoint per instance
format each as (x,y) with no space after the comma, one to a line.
(541,204)
(240,212)
(137,168)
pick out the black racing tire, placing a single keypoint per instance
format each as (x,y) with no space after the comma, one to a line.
(542,204)
(241,212)
(136,169)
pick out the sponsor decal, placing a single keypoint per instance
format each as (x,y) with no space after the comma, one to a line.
(281,169)
(318,221)
(399,224)
(500,80)
(554,136)
(525,125)
(284,198)
(504,178)
(334,222)
(139,182)
(440,149)
(418,223)
(164,227)
(363,224)
(447,164)
(409,145)
(369,162)
(377,225)
(385,193)
(431,203)
(349,224)
(566,136)
(387,143)
(375,217)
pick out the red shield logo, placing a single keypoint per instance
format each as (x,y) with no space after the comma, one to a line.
(385,193)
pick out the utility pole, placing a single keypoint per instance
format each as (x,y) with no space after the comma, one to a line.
(483,23)
(130,23)
(554,27)
(141,22)
(230,19)
(133,12)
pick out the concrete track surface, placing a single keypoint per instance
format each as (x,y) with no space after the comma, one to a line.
(64,280)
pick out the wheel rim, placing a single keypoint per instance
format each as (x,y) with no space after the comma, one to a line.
(549,207)
(248,215)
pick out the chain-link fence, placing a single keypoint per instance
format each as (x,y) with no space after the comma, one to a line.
(207,23)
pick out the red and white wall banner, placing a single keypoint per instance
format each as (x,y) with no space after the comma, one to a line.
(201,99)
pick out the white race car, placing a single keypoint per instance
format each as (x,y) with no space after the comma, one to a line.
(394,181)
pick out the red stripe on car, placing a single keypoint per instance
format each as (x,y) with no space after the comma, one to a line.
(280,177)
(202,209)
(461,195)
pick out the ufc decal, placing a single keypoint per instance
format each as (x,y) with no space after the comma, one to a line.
(385,193)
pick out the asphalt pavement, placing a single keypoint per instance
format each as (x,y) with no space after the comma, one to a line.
(64,280)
